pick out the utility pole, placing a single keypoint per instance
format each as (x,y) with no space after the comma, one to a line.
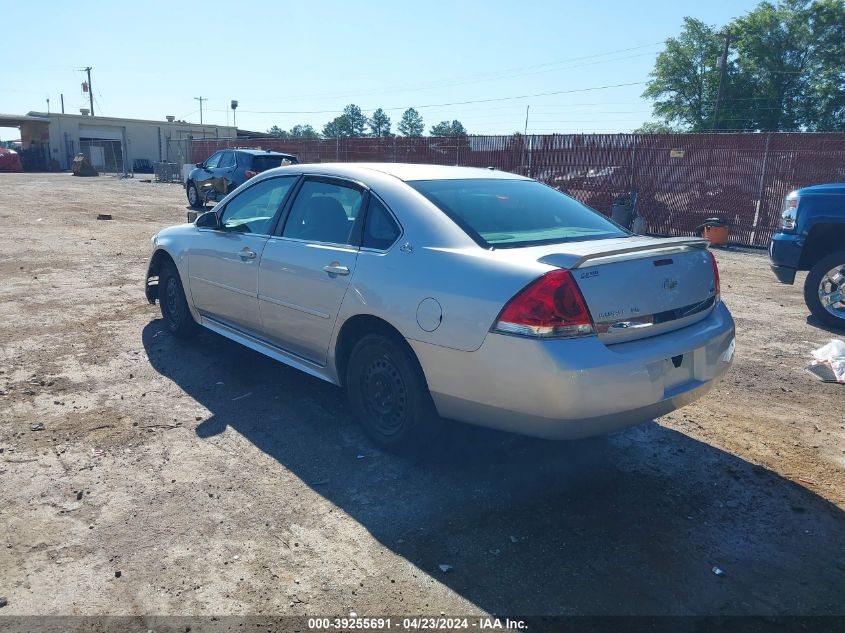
(87,69)
(723,63)
(48,105)
(62,95)
(525,134)
(200,99)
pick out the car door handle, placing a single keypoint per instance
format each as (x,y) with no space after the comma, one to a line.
(336,269)
(246,254)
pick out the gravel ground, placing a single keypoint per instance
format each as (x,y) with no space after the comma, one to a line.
(212,480)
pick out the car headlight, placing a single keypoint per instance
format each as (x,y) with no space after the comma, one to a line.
(789,214)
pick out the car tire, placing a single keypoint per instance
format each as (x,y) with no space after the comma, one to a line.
(817,282)
(194,198)
(389,396)
(173,303)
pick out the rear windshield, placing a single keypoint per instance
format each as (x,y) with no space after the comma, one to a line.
(511,213)
(263,163)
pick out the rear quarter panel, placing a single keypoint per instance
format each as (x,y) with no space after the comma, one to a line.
(469,287)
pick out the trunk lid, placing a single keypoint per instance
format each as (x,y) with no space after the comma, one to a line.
(639,287)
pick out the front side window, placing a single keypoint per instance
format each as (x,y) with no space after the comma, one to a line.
(324,212)
(506,213)
(252,210)
(380,230)
(214,161)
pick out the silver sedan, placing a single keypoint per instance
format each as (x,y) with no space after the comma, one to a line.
(433,293)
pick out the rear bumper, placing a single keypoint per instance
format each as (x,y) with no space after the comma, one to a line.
(579,387)
(785,254)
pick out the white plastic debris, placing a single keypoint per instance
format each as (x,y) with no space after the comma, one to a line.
(832,355)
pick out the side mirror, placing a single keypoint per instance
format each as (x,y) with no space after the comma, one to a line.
(200,165)
(208,220)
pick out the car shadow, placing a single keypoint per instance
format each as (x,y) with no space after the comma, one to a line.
(812,321)
(633,523)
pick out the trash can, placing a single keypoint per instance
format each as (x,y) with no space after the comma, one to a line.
(622,210)
(716,230)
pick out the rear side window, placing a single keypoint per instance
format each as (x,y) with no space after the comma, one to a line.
(263,163)
(323,212)
(506,213)
(381,229)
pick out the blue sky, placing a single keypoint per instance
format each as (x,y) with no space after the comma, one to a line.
(302,62)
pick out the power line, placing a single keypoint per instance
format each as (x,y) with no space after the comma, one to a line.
(482,77)
(454,103)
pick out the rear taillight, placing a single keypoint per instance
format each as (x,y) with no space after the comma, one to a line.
(717,286)
(249,173)
(549,307)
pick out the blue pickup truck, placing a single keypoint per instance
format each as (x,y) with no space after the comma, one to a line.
(811,236)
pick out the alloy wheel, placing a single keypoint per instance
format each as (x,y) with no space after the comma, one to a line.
(832,291)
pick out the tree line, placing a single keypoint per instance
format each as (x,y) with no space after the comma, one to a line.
(784,71)
(353,123)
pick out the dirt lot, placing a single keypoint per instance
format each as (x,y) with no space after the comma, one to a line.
(219,482)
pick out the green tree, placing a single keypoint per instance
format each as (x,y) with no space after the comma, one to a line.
(411,123)
(303,131)
(278,132)
(339,127)
(458,128)
(379,123)
(356,120)
(785,71)
(656,127)
(686,77)
(791,57)
(445,128)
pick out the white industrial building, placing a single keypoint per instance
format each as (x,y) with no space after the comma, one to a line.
(110,143)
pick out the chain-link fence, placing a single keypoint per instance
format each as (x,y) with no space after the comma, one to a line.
(681,179)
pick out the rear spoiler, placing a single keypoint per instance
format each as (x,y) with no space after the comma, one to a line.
(663,245)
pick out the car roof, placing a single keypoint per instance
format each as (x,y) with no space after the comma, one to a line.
(407,172)
(258,152)
(832,187)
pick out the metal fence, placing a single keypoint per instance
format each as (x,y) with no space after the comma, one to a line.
(681,179)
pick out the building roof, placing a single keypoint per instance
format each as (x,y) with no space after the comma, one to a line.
(14,120)
(43,116)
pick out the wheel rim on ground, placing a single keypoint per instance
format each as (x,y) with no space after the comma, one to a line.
(171,299)
(832,291)
(385,396)
(192,194)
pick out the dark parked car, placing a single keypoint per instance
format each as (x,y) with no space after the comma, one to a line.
(226,170)
(811,237)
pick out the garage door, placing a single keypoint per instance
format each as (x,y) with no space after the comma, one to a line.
(103,146)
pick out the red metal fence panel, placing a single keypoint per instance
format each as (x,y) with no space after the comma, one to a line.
(681,179)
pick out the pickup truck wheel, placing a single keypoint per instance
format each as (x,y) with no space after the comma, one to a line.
(194,198)
(824,290)
(173,304)
(388,394)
